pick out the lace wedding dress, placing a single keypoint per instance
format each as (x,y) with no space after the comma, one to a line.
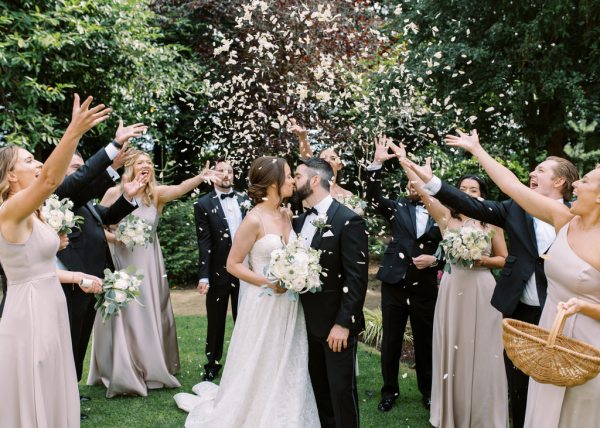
(265,381)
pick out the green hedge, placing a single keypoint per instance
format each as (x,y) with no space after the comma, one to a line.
(177,235)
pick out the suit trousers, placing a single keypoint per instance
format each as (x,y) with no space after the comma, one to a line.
(518,382)
(81,321)
(217,301)
(398,304)
(333,377)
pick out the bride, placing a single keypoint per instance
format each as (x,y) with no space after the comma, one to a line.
(265,381)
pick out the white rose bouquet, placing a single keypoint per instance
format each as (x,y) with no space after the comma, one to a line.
(118,290)
(356,204)
(295,268)
(59,215)
(466,245)
(134,231)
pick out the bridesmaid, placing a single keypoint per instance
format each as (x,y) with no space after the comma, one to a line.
(137,350)
(39,384)
(469,387)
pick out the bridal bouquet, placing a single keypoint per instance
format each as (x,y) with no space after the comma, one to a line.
(59,215)
(295,268)
(464,246)
(134,231)
(119,288)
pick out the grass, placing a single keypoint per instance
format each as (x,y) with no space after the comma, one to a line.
(159,410)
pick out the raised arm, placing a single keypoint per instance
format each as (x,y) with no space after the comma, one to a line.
(305,150)
(537,205)
(380,203)
(436,210)
(27,201)
(167,193)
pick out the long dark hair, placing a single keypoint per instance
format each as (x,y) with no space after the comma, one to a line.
(483,190)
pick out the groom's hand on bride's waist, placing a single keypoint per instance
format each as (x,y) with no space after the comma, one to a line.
(338,338)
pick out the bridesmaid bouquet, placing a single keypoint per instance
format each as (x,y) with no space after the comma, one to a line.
(119,288)
(356,204)
(464,246)
(134,231)
(295,268)
(58,213)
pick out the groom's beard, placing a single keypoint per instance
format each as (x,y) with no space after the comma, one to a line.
(302,193)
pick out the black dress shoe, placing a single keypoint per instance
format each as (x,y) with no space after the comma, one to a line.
(83,417)
(385,405)
(210,374)
(426,402)
(84,398)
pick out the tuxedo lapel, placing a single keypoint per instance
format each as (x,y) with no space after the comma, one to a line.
(218,209)
(316,241)
(90,206)
(531,230)
(429,225)
(406,216)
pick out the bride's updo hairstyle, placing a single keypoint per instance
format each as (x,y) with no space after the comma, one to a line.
(265,171)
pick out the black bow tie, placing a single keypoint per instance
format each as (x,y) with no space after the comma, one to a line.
(227,195)
(416,203)
(309,211)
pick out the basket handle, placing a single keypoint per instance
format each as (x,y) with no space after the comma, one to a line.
(557,327)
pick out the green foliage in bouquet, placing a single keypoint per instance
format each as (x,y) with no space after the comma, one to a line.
(119,288)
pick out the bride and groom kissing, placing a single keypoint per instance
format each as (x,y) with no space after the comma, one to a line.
(290,363)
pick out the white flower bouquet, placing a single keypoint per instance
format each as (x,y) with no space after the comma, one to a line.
(119,288)
(246,205)
(134,231)
(356,204)
(295,268)
(464,246)
(59,215)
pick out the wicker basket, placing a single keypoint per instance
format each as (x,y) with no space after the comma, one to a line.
(547,356)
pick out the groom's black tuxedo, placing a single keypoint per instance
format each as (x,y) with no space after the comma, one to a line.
(406,292)
(345,261)
(88,250)
(214,243)
(523,261)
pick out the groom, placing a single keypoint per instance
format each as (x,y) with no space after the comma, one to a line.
(334,315)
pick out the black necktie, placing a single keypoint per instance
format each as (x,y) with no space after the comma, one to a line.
(227,195)
(309,211)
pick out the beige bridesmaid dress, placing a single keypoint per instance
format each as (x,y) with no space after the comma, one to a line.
(137,349)
(550,406)
(38,384)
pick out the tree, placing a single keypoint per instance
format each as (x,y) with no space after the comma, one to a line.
(110,49)
(518,71)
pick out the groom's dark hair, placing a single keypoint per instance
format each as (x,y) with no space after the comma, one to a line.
(320,167)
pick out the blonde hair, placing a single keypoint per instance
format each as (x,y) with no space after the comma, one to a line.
(8,159)
(568,171)
(150,188)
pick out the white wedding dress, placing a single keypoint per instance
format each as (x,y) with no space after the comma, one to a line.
(265,380)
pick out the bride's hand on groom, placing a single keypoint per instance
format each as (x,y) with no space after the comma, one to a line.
(338,338)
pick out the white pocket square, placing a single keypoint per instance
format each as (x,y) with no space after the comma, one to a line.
(328,234)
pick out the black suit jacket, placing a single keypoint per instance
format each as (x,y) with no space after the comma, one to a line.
(523,256)
(214,239)
(405,245)
(345,262)
(88,182)
(88,250)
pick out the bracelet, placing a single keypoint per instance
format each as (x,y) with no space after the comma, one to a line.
(434,264)
(116,144)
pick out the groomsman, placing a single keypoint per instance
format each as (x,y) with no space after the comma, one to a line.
(408,274)
(520,291)
(87,250)
(218,215)
(334,316)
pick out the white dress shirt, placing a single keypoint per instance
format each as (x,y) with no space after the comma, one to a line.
(308,229)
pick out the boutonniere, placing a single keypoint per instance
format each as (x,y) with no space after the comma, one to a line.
(320,222)
(246,205)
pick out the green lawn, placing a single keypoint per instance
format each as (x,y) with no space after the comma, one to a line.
(159,409)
